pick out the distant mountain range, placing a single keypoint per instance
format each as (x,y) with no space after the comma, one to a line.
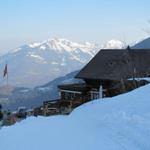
(38,63)
(35,64)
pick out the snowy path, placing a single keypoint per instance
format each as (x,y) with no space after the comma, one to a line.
(119,123)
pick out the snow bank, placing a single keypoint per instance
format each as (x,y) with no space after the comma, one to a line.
(118,123)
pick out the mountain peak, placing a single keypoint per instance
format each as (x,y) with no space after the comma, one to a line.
(55,57)
(113,44)
(61,44)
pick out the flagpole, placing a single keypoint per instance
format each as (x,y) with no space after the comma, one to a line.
(6,73)
(7,79)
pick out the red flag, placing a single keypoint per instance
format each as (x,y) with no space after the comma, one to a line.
(5,71)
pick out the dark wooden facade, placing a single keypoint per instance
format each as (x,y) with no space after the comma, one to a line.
(113,68)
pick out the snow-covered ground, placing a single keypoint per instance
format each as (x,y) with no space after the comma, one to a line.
(118,123)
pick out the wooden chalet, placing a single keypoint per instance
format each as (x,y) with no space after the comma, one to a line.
(109,73)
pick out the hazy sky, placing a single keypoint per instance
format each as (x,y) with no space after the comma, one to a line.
(25,21)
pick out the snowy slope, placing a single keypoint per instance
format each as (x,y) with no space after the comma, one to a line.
(119,123)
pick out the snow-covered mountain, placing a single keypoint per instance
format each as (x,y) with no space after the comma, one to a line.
(118,123)
(37,63)
(113,44)
(145,43)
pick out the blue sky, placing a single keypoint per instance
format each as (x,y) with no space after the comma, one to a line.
(25,21)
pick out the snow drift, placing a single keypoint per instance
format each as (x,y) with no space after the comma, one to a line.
(118,123)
